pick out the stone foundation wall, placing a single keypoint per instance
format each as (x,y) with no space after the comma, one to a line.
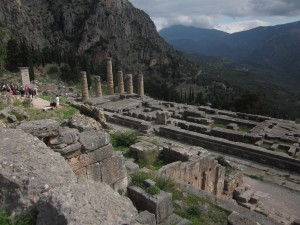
(203,173)
(245,151)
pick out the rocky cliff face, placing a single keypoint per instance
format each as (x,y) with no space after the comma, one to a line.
(97,27)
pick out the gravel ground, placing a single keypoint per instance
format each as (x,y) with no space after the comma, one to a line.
(277,198)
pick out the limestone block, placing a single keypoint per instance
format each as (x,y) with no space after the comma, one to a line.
(146,217)
(292,151)
(142,148)
(87,202)
(149,183)
(184,222)
(121,184)
(70,151)
(66,136)
(97,155)
(92,140)
(232,126)
(113,169)
(81,173)
(74,163)
(246,196)
(131,166)
(93,172)
(83,123)
(173,219)
(236,219)
(40,128)
(160,204)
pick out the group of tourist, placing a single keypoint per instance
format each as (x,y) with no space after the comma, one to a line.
(15,89)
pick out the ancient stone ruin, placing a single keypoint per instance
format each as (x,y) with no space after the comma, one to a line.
(129,84)
(120,82)
(110,77)
(98,87)
(24,71)
(84,86)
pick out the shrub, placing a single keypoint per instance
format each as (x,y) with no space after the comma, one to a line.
(194,211)
(27,219)
(53,70)
(124,138)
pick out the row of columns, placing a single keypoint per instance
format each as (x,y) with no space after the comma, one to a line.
(110,83)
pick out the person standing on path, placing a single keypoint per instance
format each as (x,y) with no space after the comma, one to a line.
(57,101)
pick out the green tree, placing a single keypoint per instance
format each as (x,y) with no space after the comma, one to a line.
(2,52)
(13,55)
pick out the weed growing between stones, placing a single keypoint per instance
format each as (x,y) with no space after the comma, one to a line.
(222,161)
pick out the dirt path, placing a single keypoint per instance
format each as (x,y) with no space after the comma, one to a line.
(40,103)
(277,198)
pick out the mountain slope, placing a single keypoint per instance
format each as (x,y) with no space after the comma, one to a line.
(274,51)
(99,28)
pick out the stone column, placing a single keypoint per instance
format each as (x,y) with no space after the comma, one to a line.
(24,71)
(129,85)
(120,82)
(141,85)
(110,77)
(98,86)
(84,86)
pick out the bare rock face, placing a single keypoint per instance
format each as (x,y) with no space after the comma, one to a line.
(104,205)
(32,176)
(99,28)
(41,128)
(29,169)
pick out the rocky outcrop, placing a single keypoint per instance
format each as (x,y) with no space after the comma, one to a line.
(97,27)
(32,176)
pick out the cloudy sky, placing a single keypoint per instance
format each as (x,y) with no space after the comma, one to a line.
(227,15)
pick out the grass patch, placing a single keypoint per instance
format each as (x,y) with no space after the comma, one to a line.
(245,128)
(27,219)
(58,114)
(256,177)
(200,211)
(2,106)
(266,146)
(219,125)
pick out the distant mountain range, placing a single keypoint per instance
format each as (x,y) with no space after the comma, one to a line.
(272,52)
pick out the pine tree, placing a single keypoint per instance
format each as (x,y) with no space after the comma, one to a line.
(2,53)
(13,55)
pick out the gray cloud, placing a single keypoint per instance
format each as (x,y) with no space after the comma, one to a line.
(212,13)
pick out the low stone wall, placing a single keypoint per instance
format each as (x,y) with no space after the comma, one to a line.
(244,151)
(226,119)
(237,136)
(253,117)
(127,121)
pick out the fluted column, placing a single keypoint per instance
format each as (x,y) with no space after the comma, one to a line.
(110,77)
(141,85)
(129,84)
(84,86)
(98,86)
(120,82)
